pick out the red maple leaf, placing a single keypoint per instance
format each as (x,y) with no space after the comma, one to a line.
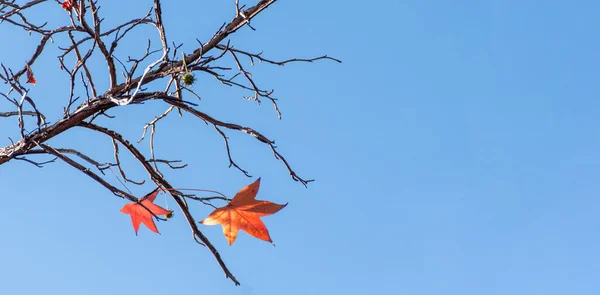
(244,212)
(142,213)
(30,78)
(69,4)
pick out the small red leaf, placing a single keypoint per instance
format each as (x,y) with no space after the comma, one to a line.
(69,4)
(142,213)
(30,78)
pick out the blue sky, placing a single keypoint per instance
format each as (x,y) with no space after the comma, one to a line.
(456,151)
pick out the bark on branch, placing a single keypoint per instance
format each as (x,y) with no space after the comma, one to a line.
(83,37)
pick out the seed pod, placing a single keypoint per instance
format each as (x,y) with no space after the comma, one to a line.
(188,79)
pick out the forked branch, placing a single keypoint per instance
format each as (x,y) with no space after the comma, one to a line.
(160,73)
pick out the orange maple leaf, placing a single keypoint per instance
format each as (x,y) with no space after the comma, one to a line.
(141,213)
(244,212)
(30,78)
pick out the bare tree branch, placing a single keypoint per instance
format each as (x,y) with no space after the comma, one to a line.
(175,194)
(206,118)
(161,73)
(114,190)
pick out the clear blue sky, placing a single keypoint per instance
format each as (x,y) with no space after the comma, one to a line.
(456,151)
